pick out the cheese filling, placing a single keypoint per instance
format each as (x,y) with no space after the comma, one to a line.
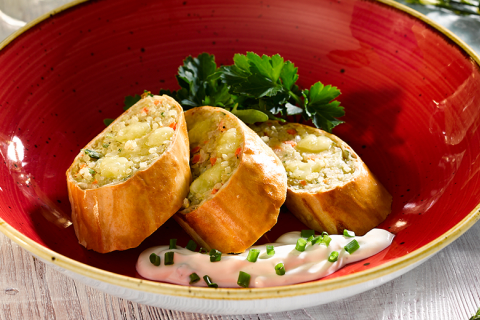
(313,161)
(131,144)
(215,146)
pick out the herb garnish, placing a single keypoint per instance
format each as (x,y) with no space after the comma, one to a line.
(92,154)
(255,88)
(476,316)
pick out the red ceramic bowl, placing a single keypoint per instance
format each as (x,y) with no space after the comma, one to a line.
(410,90)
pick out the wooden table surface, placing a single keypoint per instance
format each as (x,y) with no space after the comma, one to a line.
(445,287)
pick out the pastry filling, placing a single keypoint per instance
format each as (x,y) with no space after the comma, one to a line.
(132,143)
(313,162)
(215,148)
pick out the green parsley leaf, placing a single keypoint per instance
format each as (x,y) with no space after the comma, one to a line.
(107,121)
(271,82)
(172,94)
(200,83)
(255,88)
(321,106)
(289,75)
(130,101)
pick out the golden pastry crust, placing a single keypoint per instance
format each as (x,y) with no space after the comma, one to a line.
(247,205)
(359,204)
(122,215)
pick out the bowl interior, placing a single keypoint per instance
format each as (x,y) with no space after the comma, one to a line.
(410,94)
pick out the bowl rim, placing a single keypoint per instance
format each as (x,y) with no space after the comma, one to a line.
(307,288)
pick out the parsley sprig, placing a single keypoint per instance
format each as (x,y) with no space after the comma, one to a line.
(255,88)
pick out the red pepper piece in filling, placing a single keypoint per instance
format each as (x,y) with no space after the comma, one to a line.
(195,150)
(196,158)
(292,132)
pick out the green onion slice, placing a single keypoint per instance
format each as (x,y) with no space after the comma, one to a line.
(253,255)
(215,255)
(280,269)
(173,244)
(154,259)
(352,246)
(203,250)
(333,256)
(270,250)
(209,282)
(307,233)
(326,240)
(301,244)
(191,245)
(168,258)
(348,234)
(317,240)
(243,279)
(194,278)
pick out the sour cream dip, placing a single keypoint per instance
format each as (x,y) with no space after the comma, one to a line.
(311,264)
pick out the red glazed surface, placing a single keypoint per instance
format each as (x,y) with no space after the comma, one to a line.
(412,100)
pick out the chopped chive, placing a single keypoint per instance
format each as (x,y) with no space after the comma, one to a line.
(203,250)
(307,233)
(215,255)
(209,282)
(270,250)
(173,244)
(253,255)
(333,256)
(194,278)
(168,258)
(243,279)
(348,234)
(154,259)
(326,239)
(301,244)
(192,246)
(317,240)
(92,172)
(280,269)
(105,145)
(352,246)
(93,154)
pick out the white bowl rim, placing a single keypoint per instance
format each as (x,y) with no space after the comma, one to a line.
(250,293)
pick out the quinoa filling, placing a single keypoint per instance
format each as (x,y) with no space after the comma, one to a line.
(132,143)
(215,148)
(313,162)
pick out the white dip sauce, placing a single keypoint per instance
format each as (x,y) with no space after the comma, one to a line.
(308,265)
